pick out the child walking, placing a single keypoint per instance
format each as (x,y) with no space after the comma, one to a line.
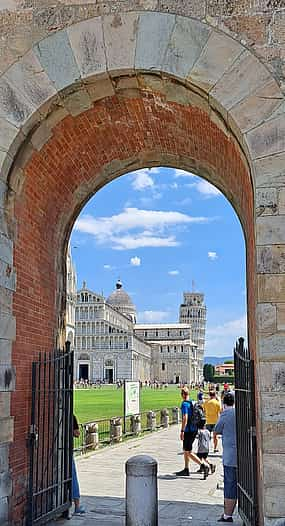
(204,438)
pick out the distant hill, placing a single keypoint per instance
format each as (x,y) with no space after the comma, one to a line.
(215,360)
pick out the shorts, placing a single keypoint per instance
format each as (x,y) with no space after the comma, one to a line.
(202,455)
(230,482)
(189,437)
(210,427)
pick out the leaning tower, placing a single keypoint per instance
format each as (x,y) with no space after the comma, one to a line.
(193,310)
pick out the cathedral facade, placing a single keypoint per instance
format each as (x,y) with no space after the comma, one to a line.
(110,345)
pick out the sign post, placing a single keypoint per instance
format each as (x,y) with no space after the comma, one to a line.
(131,399)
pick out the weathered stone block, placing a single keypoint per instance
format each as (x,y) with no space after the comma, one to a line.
(8,134)
(271,288)
(7,327)
(120,33)
(101,89)
(6,429)
(3,190)
(87,42)
(5,485)
(272,377)
(4,457)
(270,230)
(273,522)
(78,102)
(217,56)
(7,276)
(268,138)
(41,136)
(32,80)
(13,105)
(154,31)
(56,56)
(274,502)
(281,317)
(4,509)
(271,259)
(266,201)
(281,201)
(273,469)
(7,378)
(273,437)
(5,399)
(185,45)
(257,107)
(5,351)
(6,249)
(271,347)
(244,77)
(266,317)
(270,171)
(273,407)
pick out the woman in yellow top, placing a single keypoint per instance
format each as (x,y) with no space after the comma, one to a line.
(212,408)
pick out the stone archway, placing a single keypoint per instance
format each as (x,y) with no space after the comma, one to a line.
(108,95)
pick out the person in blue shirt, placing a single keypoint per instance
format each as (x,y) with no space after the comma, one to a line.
(226,426)
(187,435)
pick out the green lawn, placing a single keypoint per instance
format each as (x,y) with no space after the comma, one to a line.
(107,402)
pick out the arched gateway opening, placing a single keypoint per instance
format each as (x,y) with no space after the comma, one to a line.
(114,94)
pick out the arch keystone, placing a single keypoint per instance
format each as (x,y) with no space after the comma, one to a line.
(153,36)
(120,32)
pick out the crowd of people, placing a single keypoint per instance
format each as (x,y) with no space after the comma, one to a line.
(204,419)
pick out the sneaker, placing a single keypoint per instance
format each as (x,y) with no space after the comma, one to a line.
(183,473)
(200,470)
(229,519)
(206,471)
(213,468)
(216,451)
(79,511)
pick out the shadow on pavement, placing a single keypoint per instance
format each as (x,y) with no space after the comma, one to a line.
(110,511)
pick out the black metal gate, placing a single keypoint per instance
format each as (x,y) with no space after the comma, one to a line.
(51,437)
(246,434)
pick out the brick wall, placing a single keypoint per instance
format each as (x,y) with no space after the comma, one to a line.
(84,153)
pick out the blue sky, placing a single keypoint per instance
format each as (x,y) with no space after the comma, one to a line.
(159,230)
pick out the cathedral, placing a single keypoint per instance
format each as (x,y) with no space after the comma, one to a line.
(109,345)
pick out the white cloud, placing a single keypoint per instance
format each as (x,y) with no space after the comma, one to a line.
(134,228)
(173,272)
(221,339)
(212,255)
(152,316)
(142,180)
(107,267)
(135,261)
(183,173)
(207,189)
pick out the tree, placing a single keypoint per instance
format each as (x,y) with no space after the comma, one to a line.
(228,361)
(208,372)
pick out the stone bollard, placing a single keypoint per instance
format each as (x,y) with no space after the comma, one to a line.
(136,426)
(141,491)
(164,417)
(151,420)
(92,436)
(116,432)
(175,415)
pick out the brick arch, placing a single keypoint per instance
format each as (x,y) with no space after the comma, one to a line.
(165,67)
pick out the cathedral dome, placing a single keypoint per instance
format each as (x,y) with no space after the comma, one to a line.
(121,301)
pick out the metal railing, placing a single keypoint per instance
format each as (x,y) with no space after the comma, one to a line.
(99,433)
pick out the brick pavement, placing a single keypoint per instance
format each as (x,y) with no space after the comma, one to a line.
(182,501)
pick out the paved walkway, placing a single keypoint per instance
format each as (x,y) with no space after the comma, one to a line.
(182,501)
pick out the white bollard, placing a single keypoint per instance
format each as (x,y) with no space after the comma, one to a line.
(141,491)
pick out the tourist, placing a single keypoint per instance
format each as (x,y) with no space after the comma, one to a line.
(204,438)
(212,408)
(78,509)
(187,435)
(200,396)
(226,426)
(224,391)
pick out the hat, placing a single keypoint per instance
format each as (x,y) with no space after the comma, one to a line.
(226,386)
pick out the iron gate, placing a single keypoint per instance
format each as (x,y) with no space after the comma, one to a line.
(246,434)
(51,437)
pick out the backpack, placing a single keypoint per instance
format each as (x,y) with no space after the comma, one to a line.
(197,418)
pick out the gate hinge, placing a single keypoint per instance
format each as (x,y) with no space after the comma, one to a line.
(34,435)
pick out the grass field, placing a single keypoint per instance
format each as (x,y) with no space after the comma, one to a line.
(107,402)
